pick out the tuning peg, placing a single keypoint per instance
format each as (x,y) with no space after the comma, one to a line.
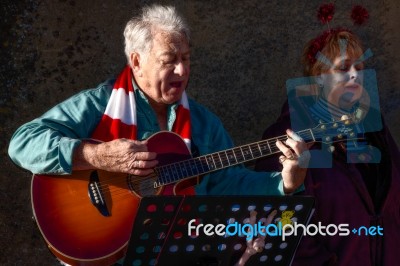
(331,149)
(327,139)
(346,119)
(340,136)
(323,127)
(335,125)
(362,157)
(359,113)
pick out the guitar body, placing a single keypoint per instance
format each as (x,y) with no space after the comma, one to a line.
(79,232)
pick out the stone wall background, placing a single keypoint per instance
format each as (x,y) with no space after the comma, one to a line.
(243,53)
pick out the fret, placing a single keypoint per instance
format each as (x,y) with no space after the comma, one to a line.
(210,162)
(226,159)
(247,155)
(264,148)
(217,161)
(199,167)
(178,171)
(251,152)
(190,166)
(220,159)
(174,172)
(312,134)
(270,150)
(261,149)
(231,157)
(255,150)
(204,164)
(183,169)
(196,166)
(167,174)
(238,155)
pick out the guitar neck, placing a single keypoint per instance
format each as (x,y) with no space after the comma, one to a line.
(175,172)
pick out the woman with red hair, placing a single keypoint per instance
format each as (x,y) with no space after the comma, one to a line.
(354,182)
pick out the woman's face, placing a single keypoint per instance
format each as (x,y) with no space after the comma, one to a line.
(342,82)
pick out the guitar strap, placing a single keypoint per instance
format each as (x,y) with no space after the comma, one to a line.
(119,118)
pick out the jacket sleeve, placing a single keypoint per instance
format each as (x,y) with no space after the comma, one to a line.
(46,144)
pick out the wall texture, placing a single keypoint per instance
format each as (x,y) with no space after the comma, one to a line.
(243,53)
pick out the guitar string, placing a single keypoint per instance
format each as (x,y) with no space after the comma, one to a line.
(138,179)
(150,187)
(272,147)
(308,133)
(223,162)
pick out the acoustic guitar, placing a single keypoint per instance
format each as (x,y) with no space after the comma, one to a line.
(86,218)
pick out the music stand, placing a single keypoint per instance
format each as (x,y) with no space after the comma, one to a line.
(160,231)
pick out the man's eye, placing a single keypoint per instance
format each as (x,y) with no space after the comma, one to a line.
(168,62)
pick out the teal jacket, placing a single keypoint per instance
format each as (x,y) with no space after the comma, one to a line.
(46,144)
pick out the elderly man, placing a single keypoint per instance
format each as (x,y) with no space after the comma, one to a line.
(158,53)
(148,96)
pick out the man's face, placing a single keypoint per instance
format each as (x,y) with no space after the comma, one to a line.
(343,82)
(165,73)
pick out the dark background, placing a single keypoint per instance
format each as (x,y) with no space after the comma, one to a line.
(243,53)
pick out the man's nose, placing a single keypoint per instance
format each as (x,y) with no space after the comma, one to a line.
(180,69)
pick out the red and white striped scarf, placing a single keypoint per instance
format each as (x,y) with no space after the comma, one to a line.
(119,119)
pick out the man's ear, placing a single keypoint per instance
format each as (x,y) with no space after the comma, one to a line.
(136,64)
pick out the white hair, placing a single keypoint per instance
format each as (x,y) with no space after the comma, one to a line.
(139,30)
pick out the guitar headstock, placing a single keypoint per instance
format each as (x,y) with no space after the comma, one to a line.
(348,128)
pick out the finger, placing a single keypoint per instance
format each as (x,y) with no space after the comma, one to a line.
(145,164)
(293,135)
(267,221)
(141,172)
(145,156)
(271,216)
(284,149)
(296,146)
(259,244)
(295,142)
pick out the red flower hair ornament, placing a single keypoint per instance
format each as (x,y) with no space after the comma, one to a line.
(326,12)
(359,15)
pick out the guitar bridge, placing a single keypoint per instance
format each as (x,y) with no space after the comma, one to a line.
(96,194)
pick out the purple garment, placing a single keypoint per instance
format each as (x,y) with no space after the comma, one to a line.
(343,196)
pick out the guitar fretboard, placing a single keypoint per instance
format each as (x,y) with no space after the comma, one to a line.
(175,172)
